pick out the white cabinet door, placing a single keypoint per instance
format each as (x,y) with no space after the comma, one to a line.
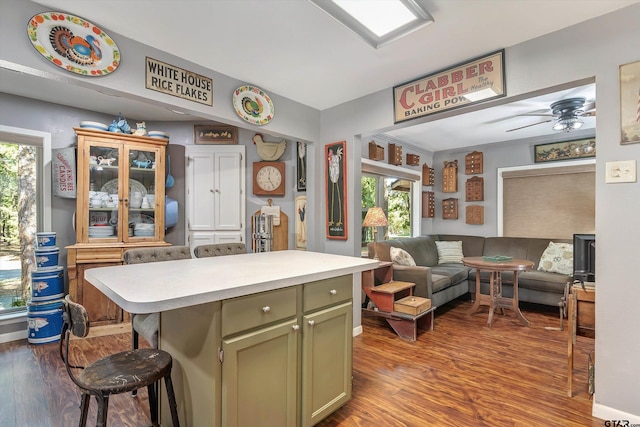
(200,190)
(215,189)
(229,198)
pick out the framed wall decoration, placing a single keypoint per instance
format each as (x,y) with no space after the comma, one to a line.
(301,222)
(301,170)
(215,134)
(336,187)
(630,103)
(566,150)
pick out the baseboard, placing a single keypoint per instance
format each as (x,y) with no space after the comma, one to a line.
(13,336)
(606,413)
(357,330)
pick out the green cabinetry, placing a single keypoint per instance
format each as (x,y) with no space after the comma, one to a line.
(281,357)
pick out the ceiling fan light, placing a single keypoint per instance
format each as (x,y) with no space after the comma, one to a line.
(567,124)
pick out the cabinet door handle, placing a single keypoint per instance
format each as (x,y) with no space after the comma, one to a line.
(266,309)
(333,292)
(312,322)
(296,327)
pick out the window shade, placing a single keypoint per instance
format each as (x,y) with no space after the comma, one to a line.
(554,203)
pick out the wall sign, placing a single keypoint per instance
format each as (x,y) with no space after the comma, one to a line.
(336,188)
(175,81)
(469,83)
(64,172)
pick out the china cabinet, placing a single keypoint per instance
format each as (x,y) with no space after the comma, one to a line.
(120,205)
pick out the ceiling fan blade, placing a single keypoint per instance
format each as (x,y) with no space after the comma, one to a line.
(533,124)
(536,115)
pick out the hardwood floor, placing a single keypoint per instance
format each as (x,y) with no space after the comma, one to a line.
(463,374)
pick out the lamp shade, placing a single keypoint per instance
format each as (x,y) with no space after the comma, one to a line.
(375,218)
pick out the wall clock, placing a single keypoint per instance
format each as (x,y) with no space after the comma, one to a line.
(269,178)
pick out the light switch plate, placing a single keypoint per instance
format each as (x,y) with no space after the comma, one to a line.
(621,171)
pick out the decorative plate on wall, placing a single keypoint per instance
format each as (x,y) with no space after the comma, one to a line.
(253,105)
(73,44)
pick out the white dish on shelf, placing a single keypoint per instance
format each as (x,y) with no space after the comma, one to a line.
(87,124)
(157,134)
(112,187)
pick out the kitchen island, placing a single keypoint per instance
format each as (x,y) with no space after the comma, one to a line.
(254,337)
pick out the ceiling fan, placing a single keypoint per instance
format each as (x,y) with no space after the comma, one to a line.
(566,113)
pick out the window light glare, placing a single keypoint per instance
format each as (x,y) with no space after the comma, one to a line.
(379,16)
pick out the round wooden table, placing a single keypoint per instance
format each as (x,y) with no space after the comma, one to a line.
(495,299)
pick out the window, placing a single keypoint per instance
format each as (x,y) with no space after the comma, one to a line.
(24,209)
(393,195)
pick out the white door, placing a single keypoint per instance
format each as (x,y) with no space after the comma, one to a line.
(229,198)
(199,176)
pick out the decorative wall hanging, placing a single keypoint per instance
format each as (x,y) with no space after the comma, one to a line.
(413,159)
(450,208)
(474,189)
(475,214)
(215,134)
(73,44)
(428,204)
(428,175)
(301,170)
(630,103)
(567,150)
(475,81)
(336,187)
(395,154)
(376,152)
(253,105)
(267,150)
(176,81)
(473,163)
(450,177)
(301,222)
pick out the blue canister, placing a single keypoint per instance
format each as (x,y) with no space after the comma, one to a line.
(45,322)
(46,239)
(47,284)
(47,257)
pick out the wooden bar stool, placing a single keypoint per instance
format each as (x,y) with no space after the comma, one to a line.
(119,373)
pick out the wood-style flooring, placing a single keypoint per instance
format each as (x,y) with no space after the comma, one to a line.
(461,374)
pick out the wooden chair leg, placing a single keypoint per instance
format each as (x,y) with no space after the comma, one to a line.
(103,409)
(84,409)
(173,406)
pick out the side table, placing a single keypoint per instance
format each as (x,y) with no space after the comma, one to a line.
(495,299)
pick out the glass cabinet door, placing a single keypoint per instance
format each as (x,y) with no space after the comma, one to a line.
(102,170)
(143,215)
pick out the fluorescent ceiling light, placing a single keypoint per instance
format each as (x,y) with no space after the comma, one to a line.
(381,16)
(377,21)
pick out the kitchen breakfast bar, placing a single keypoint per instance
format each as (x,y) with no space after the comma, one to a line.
(255,338)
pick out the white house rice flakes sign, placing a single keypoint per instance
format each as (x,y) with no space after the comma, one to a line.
(175,81)
(479,80)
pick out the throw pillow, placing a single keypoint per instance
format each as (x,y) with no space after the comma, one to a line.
(401,257)
(557,258)
(449,252)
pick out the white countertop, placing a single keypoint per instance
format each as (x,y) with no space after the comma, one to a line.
(161,286)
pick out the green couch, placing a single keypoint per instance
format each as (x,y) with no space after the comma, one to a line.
(444,282)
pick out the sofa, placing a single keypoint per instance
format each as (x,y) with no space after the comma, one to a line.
(444,282)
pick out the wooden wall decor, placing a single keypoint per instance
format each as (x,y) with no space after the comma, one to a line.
(376,152)
(473,163)
(428,204)
(450,177)
(395,154)
(428,175)
(474,189)
(475,214)
(413,159)
(450,208)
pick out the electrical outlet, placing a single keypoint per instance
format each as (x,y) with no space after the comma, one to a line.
(621,171)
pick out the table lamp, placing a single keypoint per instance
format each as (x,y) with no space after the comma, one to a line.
(375,218)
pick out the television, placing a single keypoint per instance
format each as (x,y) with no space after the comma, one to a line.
(584,257)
